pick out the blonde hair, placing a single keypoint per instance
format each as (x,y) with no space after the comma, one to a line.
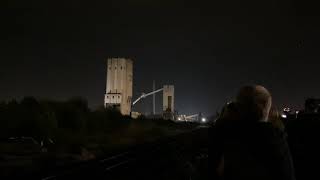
(275,119)
(254,101)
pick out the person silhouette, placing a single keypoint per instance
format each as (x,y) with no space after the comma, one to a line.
(245,145)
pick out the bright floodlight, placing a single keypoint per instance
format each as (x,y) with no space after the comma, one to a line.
(179,119)
(283,115)
(203,120)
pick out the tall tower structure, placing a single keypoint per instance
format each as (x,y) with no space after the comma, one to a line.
(168,98)
(119,85)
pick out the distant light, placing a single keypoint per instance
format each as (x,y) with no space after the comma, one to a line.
(286,109)
(297,112)
(203,120)
(179,119)
(283,115)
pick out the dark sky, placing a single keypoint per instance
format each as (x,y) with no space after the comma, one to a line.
(207,49)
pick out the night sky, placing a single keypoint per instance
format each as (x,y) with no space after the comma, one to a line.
(58,49)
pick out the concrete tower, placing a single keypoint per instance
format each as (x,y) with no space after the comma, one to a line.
(168,99)
(119,85)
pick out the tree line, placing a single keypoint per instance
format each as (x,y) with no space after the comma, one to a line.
(41,119)
(52,119)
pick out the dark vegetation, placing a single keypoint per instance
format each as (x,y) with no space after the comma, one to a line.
(69,131)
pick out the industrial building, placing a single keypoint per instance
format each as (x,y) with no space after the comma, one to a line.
(119,89)
(168,98)
(119,85)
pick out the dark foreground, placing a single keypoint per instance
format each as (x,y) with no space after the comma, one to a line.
(184,156)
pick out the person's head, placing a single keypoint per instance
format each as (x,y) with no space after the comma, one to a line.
(254,102)
(228,112)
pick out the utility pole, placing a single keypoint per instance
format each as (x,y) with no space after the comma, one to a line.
(154,98)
